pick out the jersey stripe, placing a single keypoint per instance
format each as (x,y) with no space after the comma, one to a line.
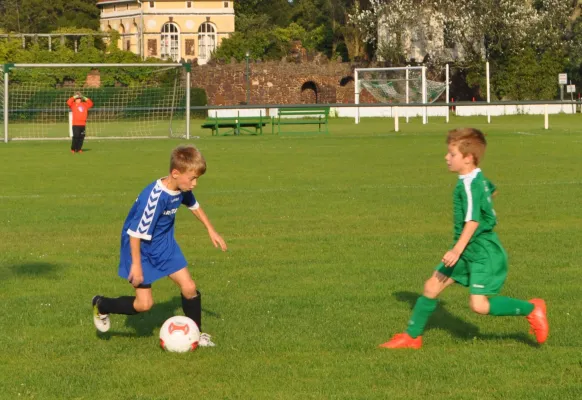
(148,214)
(467,184)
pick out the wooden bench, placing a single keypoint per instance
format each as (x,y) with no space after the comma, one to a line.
(302,116)
(236,125)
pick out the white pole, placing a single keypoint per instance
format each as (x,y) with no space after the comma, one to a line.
(407,95)
(5,106)
(396,119)
(424,97)
(546,119)
(447,91)
(357,96)
(488,92)
(70,124)
(188,103)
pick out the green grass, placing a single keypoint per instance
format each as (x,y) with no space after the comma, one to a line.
(330,240)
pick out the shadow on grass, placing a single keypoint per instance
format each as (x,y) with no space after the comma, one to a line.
(34,269)
(457,327)
(146,323)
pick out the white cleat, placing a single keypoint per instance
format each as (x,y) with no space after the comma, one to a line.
(205,340)
(101,321)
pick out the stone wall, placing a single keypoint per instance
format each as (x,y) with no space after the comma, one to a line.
(308,82)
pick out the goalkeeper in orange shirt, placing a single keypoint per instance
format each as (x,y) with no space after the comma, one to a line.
(79,105)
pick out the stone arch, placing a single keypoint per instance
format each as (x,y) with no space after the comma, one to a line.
(310,93)
(346,80)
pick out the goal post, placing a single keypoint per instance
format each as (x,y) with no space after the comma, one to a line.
(145,100)
(396,85)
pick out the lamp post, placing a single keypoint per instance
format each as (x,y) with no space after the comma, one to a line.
(248,78)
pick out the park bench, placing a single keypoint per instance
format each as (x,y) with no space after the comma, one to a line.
(302,116)
(236,125)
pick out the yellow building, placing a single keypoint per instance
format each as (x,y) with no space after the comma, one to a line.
(169,29)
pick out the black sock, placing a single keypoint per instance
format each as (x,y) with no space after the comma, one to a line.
(193,308)
(120,305)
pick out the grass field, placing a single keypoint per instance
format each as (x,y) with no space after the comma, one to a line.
(330,240)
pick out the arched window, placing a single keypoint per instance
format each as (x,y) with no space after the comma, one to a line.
(206,41)
(170,42)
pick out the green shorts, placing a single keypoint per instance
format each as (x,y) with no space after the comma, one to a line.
(482,266)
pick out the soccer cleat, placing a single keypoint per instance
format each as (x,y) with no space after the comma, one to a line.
(101,321)
(72,151)
(403,341)
(80,151)
(538,320)
(205,340)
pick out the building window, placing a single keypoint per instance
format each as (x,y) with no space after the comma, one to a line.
(189,47)
(206,41)
(170,41)
(226,4)
(152,47)
(152,4)
(114,7)
(188,4)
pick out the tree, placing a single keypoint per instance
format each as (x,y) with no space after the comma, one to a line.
(499,31)
(40,16)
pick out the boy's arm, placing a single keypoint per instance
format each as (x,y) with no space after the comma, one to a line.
(136,272)
(71,101)
(216,239)
(452,256)
(88,101)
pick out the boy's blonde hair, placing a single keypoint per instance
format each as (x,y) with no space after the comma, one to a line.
(187,158)
(469,141)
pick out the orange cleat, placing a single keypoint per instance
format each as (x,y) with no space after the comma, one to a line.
(80,151)
(538,321)
(72,151)
(403,341)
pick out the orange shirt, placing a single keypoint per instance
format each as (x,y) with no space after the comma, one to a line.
(79,110)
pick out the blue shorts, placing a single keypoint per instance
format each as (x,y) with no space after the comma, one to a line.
(157,261)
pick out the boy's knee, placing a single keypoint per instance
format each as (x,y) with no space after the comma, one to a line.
(142,305)
(480,305)
(188,289)
(432,288)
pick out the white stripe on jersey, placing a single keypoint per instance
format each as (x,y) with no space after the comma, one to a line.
(148,213)
(467,180)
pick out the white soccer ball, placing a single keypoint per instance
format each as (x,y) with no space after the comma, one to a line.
(179,335)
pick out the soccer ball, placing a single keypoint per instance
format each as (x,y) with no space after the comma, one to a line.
(179,335)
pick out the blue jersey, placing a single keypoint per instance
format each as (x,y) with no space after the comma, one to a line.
(151,219)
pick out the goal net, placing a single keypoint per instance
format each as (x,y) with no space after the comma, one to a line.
(398,85)
(130,100)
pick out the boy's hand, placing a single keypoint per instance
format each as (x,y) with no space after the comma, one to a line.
(217,240)
(450,258)
(135,275)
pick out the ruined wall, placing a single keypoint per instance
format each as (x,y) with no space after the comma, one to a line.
(308,82)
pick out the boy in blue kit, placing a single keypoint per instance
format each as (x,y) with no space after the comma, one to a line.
(148,248)
(477,259)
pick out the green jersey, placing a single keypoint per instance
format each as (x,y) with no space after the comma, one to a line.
(472,202)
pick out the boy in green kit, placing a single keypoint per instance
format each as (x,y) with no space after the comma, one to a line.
(477,259)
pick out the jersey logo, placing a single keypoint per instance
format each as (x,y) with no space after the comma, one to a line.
(149,211)
(80,109)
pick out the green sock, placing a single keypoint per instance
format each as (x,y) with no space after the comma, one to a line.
(420,315)
(505,306)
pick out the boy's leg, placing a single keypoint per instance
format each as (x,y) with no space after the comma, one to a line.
(423,309)
(487,279)
(81,139)
(127,305)
(191,302)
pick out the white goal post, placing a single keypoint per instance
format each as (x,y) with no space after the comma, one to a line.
(141,100)
(397,85)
